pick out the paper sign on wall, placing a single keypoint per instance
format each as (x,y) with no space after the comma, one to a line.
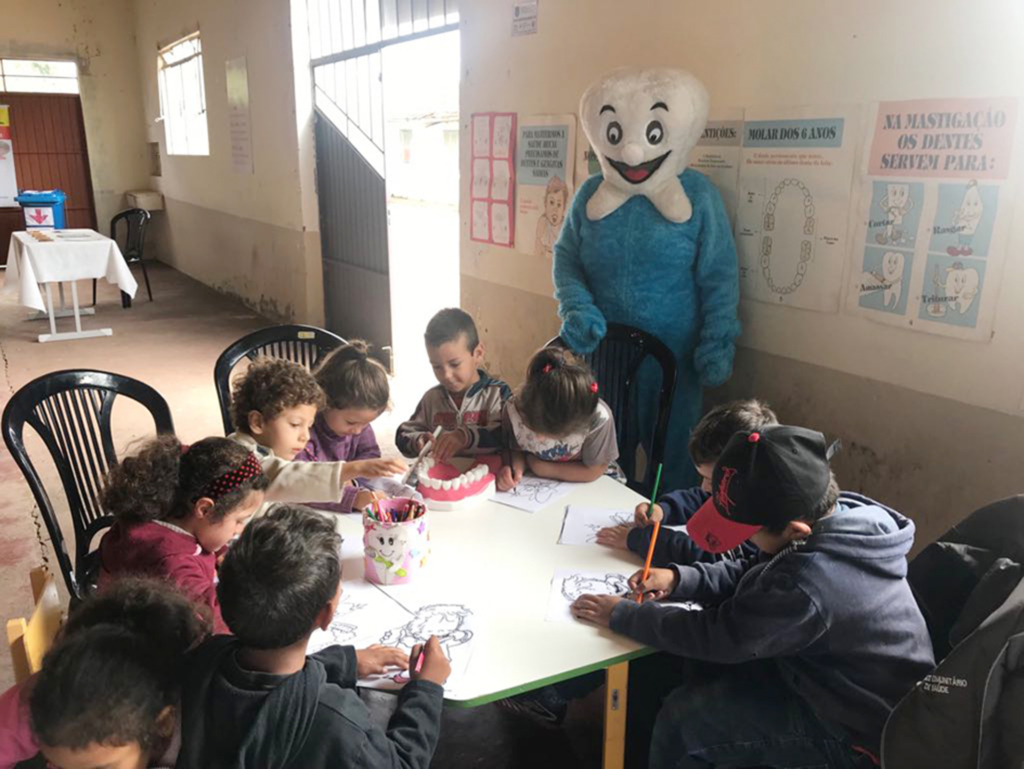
(492,187)
(8,179)
(239,124)
(793,206)
(524,18)
(545,156)
(933,215)
(717,156)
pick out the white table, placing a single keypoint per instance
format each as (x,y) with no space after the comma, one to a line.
(502,560)
(70,256)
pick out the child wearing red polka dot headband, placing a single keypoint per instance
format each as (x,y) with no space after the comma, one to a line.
(176,508)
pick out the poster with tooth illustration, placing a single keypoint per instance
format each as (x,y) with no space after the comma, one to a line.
(933,214)
(793,203)
(545,156)
(717,155)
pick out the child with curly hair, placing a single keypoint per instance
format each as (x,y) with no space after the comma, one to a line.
(274,405)
(108,693)
(176,508)
(357,392)
(556,425)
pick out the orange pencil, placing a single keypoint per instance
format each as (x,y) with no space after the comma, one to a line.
(654,536)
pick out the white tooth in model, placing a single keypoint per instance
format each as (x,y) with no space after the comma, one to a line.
(457,482)
(446,485)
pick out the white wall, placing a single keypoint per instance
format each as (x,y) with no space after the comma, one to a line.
(100,37)
(764,54)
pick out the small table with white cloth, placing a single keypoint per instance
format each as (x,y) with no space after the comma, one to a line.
(503,559)
(64,256)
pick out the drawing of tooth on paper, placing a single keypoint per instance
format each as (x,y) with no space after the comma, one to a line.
(567,585)
(581,524)
(531,494)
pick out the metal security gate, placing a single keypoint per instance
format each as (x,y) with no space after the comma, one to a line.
(346,38)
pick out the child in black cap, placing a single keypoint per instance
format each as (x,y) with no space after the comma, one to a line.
(817,637)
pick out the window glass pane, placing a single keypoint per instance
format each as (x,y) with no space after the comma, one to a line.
(40,68)
(41,84)
(183,98)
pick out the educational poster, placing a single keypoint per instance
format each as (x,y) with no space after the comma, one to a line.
(717,156)
(492,217)
(8,180)
(933,215)
(239,125)
(586,158)
(545,157)
(793,205)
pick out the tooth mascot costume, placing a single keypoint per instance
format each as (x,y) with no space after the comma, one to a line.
(647,243)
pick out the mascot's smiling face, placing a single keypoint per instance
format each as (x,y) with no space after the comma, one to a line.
(643,124)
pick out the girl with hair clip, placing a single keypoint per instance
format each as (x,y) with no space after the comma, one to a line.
(556,425)
(357,392)
(176,508)
(108,692)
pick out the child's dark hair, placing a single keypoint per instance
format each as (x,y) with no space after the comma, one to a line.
(350,378)
(823,508)
(448,325)
(116,666)
(269,386)
(717,426)
(164,478)
(278,577)
(560,394)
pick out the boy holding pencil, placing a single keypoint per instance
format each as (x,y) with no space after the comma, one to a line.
(816,638)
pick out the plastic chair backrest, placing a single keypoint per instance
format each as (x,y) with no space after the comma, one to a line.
(136,220)
(30,640)
(70,411)
(615,364)
(305,345)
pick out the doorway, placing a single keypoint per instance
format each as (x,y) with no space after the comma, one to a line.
(421,129)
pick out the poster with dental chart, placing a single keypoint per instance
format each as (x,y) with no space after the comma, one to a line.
(492,187)
(545,183)
(369,615)
(933,215)
(717,156)
(792,210)
(8,179)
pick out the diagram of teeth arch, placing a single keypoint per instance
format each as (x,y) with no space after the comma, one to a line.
(793,195)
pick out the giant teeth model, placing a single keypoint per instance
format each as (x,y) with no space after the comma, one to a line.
(443,487)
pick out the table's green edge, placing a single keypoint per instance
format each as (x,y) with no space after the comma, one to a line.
(528,687)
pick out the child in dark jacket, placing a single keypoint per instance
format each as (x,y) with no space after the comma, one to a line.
(256,700)
(707,442)
(817,637)
(357,392)
(176,508)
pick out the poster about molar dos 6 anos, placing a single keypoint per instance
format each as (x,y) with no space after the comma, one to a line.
(933,215)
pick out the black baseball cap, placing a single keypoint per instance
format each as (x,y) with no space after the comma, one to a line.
(765,478)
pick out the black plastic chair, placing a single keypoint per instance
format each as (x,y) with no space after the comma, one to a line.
(135,220)
(615,363)
(70,411)
(302,344)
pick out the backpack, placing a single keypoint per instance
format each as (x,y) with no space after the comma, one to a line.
(970,587)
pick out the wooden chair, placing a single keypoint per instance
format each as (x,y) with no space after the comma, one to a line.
(305,345)
(29,640)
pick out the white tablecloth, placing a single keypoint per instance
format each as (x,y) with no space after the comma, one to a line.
(72,255)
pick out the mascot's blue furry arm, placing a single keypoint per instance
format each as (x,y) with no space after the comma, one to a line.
(625,262)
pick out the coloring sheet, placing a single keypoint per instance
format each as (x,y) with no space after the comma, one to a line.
(569,584)
(364,614)
(793,206)
(533,493)
(581,524)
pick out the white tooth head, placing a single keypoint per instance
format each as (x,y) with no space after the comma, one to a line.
(446,485)
(433,483)
(457,482)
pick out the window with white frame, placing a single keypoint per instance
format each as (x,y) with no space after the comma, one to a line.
(183,97)
(38,76)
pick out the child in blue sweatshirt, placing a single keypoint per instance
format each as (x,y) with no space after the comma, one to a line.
(707,442)
(815,638)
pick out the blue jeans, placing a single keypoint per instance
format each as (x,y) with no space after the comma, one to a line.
(734,716)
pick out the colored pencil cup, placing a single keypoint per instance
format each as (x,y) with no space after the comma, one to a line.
(395,550)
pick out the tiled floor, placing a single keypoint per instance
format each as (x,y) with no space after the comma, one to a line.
(172,344)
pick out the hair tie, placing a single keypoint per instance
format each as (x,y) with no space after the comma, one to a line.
(184,449)
(231,480)
(547,368)
(593,387)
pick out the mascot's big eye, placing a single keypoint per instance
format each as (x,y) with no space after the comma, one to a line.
(655,133)
(614,133)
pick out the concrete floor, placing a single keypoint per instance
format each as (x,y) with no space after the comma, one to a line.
(172,344)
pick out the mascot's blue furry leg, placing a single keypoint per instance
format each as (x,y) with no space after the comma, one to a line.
(678,471)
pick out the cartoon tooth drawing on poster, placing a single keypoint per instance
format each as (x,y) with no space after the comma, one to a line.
(896,204)
(966,220)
